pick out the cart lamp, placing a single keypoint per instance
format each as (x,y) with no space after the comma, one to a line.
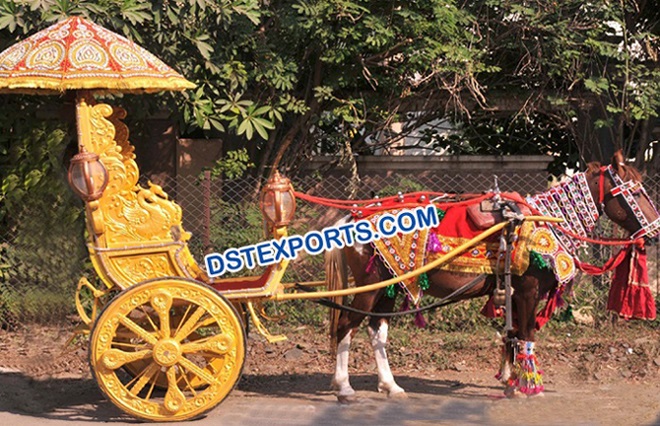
(278,204)
(87,175)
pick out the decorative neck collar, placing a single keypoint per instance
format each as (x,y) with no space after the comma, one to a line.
(571,201)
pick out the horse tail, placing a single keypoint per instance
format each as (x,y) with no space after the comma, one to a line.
(336,276)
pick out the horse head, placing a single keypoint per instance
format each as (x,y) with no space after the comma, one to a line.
(618,191)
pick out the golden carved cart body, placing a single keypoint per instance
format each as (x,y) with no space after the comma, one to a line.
(167,306)
(165,344)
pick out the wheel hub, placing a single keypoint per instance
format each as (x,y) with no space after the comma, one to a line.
(167,352)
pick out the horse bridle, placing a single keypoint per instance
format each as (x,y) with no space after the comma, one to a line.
(627,190)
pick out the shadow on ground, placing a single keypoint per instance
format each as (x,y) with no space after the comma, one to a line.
(56,398)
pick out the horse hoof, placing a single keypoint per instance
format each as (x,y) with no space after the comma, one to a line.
(398,395)
(347,399)
(513,393)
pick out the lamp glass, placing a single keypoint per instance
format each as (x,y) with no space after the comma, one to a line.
(87,176)
(288,206)
(269,207)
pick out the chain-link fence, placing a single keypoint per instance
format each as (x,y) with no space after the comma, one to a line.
(42,258)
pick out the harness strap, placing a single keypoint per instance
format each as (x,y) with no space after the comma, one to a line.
(601,188)
(448,300)
(627,190)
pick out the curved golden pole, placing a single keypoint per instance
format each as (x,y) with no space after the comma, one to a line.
(371,287)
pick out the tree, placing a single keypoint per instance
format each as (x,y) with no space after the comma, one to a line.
(591,68)
(291,77)
(301,77)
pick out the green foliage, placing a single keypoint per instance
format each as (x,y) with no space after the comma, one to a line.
(586,64)
(235,225)
(41,249)
(405,185)
(233,165)
(535,134)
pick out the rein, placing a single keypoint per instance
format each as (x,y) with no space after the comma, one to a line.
(447,300)
(394,200)
(352,204)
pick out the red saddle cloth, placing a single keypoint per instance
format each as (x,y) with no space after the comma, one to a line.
(459,226)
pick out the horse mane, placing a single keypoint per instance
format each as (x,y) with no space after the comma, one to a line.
(629,172)
(593,168)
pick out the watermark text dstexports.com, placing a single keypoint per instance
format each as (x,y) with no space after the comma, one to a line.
(315,242)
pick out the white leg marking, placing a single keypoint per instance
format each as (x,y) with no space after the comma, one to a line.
(386,381)
(341,381)
(505,373)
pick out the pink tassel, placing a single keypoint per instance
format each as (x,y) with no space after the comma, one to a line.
(433,246)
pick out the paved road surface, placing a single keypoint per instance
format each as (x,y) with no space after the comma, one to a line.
(452,399)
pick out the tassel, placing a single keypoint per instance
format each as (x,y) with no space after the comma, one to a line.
(527,376)
(538,261)
(405,306)
(419,320)
(391,291)
(371,264)
(433,246)
(423,281)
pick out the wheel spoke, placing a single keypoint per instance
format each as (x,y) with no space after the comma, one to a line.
(202,374)
(218,344)
(113,359)
(183,318)
(162,303)
(153,326)
(174,398)
(190,324)
(129,345)
(153,385)
(141,332)
(189,387)
(144,378)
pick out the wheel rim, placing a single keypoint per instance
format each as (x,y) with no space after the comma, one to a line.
(174,334)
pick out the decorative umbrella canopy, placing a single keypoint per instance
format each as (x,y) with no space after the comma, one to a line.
(78,54)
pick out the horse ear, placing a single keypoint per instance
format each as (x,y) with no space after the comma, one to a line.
(619,163)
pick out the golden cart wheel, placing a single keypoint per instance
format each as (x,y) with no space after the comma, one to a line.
(172,328)
(129,340)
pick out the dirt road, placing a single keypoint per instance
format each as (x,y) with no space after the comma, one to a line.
(450,398)
(608,383)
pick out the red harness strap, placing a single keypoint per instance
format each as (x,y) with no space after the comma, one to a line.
(601,187)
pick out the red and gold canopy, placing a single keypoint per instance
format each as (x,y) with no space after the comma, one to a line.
(78,54)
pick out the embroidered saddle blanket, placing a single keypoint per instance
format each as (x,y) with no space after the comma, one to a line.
(403,253)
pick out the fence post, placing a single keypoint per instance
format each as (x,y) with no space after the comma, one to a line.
(206,233)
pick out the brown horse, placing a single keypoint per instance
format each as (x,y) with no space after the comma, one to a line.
(613,190)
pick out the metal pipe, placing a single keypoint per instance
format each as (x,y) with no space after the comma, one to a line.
(447,257)
(349,291)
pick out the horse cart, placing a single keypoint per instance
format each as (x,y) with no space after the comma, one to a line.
(167,341)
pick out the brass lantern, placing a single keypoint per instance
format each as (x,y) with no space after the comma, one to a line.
(278,204)
(87,175)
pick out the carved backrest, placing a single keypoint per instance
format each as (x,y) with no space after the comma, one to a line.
(135,232)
